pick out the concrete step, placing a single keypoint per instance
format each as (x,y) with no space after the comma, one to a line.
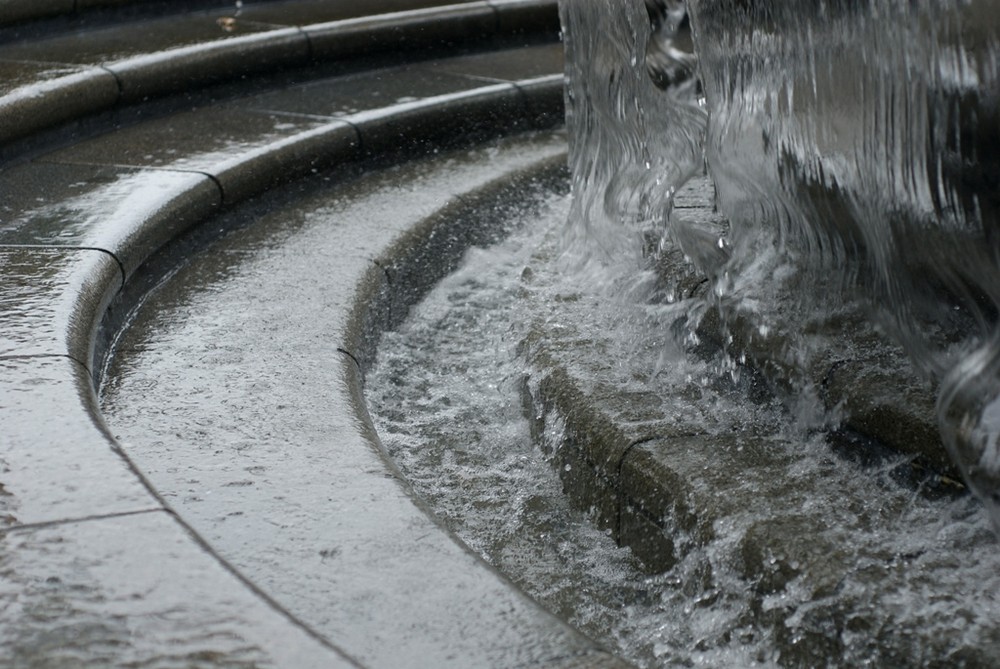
(99,566)
(59,81)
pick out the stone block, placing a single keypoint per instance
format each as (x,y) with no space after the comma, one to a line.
(34,96)
(588,486)
(185,67)
(890,404)
(433,27)
(655,484)
(245,152)
(648,539)
(127,212)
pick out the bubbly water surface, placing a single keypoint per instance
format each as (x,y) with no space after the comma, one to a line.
(922,577)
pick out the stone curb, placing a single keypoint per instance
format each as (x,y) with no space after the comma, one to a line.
(94,488)
(32,107)
(672,491)
(604,442)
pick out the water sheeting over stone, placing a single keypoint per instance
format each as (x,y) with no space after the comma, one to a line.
(854,148)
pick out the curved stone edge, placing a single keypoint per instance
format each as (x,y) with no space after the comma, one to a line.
(91,90)
(402,274)
(387,134)
(107,497)
(667,493)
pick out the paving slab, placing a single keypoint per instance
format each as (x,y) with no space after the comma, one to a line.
(125,211)
(291,485)
(441,121)
(137,591)
(51,300)
(245,152)
(57,461)
(340,97)
(510,65)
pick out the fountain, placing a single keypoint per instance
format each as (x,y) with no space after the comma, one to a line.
(851,171)
(749,543)
(856,166)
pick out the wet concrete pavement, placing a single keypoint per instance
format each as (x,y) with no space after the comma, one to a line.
(266,448)
(103,565)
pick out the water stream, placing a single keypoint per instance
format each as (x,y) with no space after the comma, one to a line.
(852,146)
(854,150)
(889,576)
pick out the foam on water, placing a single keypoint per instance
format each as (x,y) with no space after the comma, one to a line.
(900,578)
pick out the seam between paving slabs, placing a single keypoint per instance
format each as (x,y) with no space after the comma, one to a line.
(121,268)
(434,107)
(28,527)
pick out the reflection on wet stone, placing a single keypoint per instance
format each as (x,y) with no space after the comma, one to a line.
(130,591)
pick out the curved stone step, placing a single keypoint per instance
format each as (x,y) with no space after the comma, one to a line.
(58,80)
(82,526)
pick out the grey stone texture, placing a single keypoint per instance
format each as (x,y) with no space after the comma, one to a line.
(55,80)
(99,568)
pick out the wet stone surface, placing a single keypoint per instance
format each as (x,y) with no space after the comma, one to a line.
(51,300)
(124,211)
(136,591)
(65,466)
(256,438)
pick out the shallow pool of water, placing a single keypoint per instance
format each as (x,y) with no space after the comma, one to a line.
(889,577)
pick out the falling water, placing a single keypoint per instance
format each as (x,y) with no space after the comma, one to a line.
(631,143)
(855,151)
(850,150)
